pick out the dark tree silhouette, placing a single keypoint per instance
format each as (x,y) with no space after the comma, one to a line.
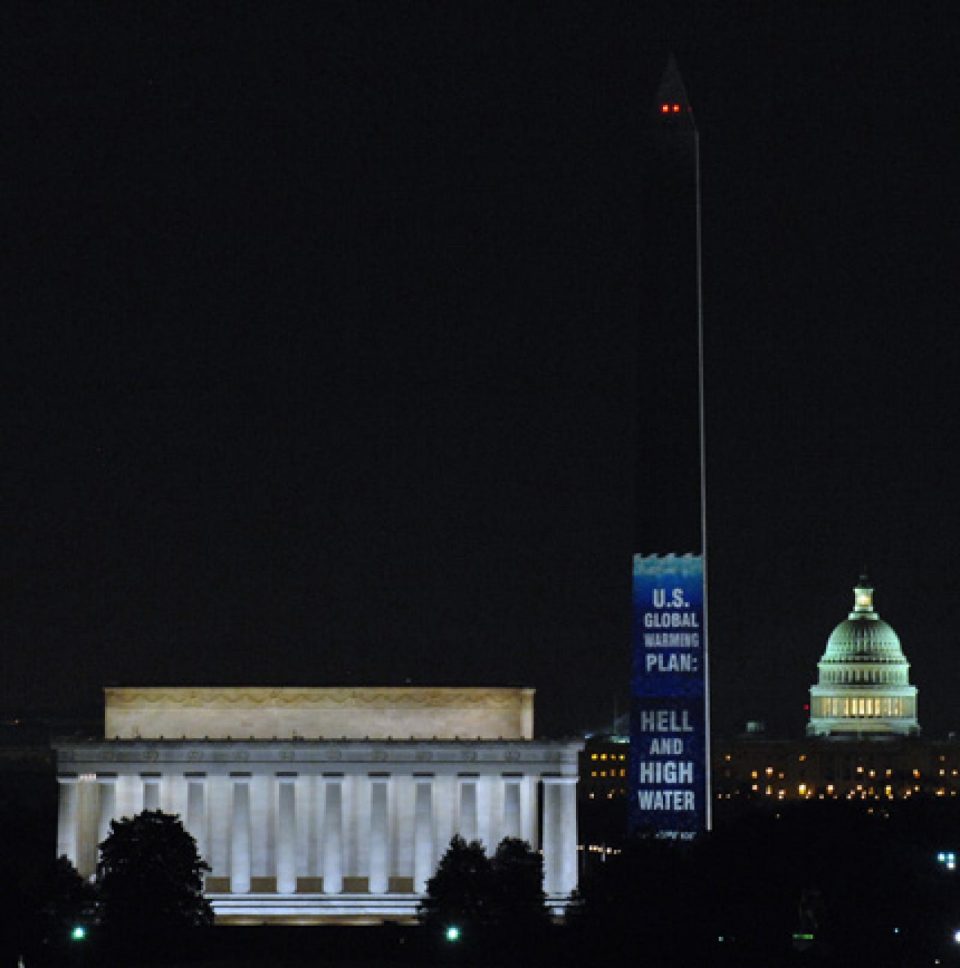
(150,880)
(460,891)
(67,900)
(518,903)
(497,904)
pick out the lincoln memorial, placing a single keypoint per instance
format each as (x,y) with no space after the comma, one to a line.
(317,804)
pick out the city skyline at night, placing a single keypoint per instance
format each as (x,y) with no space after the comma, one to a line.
(329,323)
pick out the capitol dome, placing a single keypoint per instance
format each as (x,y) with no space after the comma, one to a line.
(864,684)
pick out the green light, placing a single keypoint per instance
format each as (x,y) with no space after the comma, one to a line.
(803,937)
(78,933)
(453,933)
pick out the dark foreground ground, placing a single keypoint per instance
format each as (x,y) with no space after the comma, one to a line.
(403,947)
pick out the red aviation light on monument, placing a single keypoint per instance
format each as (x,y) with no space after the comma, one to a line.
(672,101)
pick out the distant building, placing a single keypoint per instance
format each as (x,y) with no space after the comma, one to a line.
(324,804)
(754,769)
(863,736)
(603,795)
(864,687)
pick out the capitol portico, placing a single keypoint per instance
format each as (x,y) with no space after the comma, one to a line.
(315,804)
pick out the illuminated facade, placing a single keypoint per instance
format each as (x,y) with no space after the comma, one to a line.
(752,770)
(863,686)
(324,804)
(602,794)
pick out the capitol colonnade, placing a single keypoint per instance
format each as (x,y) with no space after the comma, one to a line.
(299,829)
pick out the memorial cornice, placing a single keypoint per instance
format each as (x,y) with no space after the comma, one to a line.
(284,696)
(285,752)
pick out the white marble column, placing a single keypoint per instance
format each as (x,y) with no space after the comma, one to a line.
(88,808)
(67,819)
(511,807)
(333,835)
(468,808)
(286,833)
(379,875)
(196,810)
(107,808)
(240,835)
(423,849)
(485,832)
(151,791)
(559,834)
(529,814)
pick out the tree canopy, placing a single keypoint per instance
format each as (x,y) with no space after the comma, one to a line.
(491,900)
(150,877)
(460,890)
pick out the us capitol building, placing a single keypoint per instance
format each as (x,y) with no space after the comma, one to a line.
(864,686)
(324,804)
(863,737)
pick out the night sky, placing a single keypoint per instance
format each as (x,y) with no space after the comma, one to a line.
(323,329)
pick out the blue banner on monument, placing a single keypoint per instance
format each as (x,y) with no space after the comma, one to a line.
(668,720)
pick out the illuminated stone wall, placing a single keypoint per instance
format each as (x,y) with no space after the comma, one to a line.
(310,831)
(314,713)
